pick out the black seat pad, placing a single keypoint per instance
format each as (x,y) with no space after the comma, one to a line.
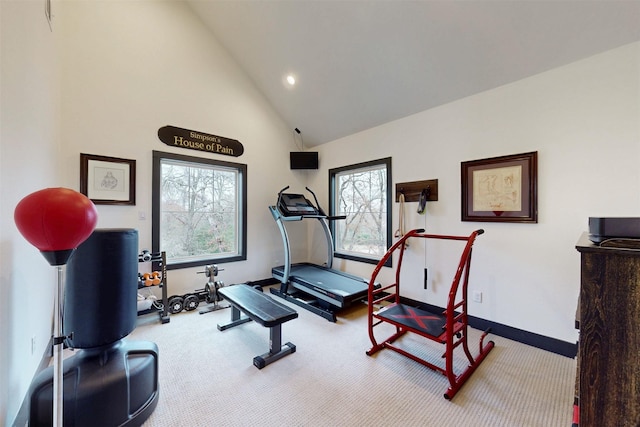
(258,306)
(414,318)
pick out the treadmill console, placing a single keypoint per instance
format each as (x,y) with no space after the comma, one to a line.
(296,204)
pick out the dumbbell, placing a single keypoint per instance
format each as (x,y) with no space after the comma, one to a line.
(144,256)
(152,278)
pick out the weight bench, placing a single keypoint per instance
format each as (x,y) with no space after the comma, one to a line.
(264,310)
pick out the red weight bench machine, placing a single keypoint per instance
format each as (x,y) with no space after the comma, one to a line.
(448,327)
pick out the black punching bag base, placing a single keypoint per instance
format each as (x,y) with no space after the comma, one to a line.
(115,385)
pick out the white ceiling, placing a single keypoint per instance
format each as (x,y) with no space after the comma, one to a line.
(363,63)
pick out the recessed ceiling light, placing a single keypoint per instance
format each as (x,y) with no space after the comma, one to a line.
(289,80)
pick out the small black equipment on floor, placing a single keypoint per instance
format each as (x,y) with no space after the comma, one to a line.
(208,294)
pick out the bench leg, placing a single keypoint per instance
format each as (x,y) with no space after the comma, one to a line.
(236,319)
(276,349)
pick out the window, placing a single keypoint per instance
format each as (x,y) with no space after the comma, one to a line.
(199,210)
(362,192)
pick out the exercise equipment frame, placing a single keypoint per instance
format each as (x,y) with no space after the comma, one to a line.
(264,310)
(158,260)
(317,288)
(448,327)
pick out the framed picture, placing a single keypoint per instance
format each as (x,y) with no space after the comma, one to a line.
(108,180)
(501,189)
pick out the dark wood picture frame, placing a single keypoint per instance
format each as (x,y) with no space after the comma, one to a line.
(108,180)
(501,189)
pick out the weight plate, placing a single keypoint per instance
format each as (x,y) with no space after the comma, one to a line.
(219,284)
(191,302)
(210,294)
(176,304)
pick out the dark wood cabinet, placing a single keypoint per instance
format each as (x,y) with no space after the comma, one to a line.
(609,344)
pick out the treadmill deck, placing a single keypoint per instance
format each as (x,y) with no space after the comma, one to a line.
(336,287)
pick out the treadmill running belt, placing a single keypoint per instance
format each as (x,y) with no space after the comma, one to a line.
(336,287)
(328,280)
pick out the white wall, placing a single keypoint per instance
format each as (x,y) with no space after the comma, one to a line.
(131,68)
(582,119)
(103,82)
(29,153)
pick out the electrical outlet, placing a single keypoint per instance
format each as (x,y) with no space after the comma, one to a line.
(477,296)
(426,278)
(33,345)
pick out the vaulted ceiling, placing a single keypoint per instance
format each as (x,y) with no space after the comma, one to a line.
(359,64)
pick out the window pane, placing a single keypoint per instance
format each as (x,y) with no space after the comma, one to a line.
(361,193)
(199,210)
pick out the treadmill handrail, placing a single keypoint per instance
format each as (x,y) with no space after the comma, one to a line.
(317,206)
(277,216)
(321,211)
(280,217)
(280,196)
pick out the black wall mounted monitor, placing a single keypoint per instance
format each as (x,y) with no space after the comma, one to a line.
(303,159)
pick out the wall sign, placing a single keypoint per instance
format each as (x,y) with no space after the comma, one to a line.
(194,140)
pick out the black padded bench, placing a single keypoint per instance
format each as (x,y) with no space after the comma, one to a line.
(266,311)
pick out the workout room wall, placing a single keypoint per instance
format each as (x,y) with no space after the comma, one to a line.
(583,121)
(102,82)
(160,66)
(29,153)
(111,73)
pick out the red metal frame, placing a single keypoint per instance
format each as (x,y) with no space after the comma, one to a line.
(454,318)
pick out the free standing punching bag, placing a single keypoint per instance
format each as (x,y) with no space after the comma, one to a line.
(110,381)
(101,288)
(56,221)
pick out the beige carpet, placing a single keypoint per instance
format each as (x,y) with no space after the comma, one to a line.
(207,378)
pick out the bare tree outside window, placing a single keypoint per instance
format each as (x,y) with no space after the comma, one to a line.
(361,192)
(199,211)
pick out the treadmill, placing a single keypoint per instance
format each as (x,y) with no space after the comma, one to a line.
(317,288)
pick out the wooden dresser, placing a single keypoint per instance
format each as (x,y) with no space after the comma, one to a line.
(609,345)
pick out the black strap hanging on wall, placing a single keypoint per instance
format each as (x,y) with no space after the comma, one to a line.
(422,202)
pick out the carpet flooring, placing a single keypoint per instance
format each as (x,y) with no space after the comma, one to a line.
(207,377)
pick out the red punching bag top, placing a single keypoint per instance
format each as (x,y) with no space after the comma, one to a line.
(56,221)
